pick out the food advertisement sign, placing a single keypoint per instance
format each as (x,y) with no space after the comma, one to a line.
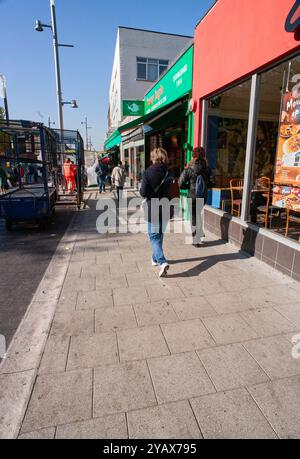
(287,175)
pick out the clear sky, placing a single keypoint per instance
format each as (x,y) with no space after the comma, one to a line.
(26,57)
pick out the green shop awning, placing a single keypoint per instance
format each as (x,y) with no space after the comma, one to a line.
(114,140)
(142,120)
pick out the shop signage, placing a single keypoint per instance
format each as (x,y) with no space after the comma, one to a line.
(173,85)
(287,175)
(293,20)
(133,107)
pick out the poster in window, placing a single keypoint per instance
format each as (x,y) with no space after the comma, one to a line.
(287,174)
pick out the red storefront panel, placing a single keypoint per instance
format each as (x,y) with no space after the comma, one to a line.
(237,38)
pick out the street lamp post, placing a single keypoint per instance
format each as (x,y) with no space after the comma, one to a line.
(39,27)
(57,65)
(4,96)
(85,123)
(50,123)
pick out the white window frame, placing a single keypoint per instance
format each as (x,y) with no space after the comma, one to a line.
(160,63)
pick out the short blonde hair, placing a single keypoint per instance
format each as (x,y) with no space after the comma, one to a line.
(159,156)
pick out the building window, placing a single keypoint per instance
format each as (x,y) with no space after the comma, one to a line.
(228,117)
(150,69)
(275,199)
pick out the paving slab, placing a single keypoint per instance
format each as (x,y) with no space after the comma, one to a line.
(85,284)
(148,314)
(93,351)
(141,343)
(229,303)
(187,336)
(95,300)
(268,322)
(109,283)
(291,312)
(121,388)
(231,367)
(73,323)
(59,399)
(193,308)
(161,291)
(280,403)
(141,278)
(200,287)
(229,329)
(55,355)
(274,355)
(107,428)
(179,377)
(113,319)
(130,296)
(273,295)
(231,415)
(171,421)
(123,268)
(43,434)
(14,393)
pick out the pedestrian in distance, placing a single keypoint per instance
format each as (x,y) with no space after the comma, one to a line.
(118,179)
(69,176)
(101,171)
(195,178)
(156,185)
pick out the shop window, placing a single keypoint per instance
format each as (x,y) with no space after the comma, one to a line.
(228,117)
(275,200)
(150,69)
(141,166)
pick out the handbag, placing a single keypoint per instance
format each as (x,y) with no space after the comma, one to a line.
(145,201)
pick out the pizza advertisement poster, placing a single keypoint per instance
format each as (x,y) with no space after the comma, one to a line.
(287,174)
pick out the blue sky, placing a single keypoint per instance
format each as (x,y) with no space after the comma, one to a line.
(26,57)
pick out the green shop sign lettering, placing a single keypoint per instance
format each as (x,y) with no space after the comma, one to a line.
(133,107)
(177,82)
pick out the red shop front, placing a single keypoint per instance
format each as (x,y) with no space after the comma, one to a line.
(247,89)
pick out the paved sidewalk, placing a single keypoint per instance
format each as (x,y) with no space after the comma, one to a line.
(206,352)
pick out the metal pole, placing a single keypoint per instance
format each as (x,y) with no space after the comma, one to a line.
(251,145)
(86,133)
(6,107)
(57,66)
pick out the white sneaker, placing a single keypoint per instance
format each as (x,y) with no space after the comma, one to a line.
(202,241)
(154,262)
(164,270)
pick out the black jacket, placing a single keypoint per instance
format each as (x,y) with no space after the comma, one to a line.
(189,176)
(152,179)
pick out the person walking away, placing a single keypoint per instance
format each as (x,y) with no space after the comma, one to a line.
(69,176)
(195,178)
(74,169)
(110,169)
(157,184)
(118,179)
(101,171)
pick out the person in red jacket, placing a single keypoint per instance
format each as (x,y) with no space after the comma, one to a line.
(74,170)
(69,175)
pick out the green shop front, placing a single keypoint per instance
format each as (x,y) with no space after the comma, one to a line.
(168,119)
(112,147)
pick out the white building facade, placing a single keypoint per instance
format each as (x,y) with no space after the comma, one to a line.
(141,57)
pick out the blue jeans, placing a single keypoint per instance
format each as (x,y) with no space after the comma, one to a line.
(101,183)
(156,236)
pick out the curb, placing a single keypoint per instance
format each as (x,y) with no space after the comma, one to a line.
(18,371)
